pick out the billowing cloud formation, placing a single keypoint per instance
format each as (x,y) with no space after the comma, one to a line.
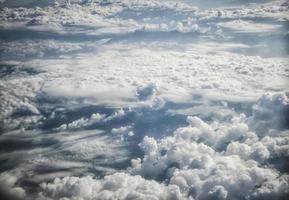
(220,160)
(81,123)
(263,119)
(144,99)
(117,186)
(8,187)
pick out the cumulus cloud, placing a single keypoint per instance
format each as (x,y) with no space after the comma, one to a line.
(82,122)
(262,119)
(123,131)
(116,186)
(9,188)
(217,160)
(145,92)
(167,58)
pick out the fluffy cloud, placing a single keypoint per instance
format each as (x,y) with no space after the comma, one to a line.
(122,132)
(95,118)
(116,186)
(170,59)
(262,118)
(82,122)
(9,188)
(218,160)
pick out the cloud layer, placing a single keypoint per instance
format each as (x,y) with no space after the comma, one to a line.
(144,99)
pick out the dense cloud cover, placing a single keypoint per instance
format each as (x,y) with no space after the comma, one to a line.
(144,99)
(200,161)
(116,186)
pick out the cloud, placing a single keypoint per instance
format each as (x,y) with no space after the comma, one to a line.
(9,188)
(82,122)
(262,119)
(250,26)
(145,92)
(122,131)
(217,160)
(95,118)
(170,59)
(116,186)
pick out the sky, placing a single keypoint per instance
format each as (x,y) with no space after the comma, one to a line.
(144,99)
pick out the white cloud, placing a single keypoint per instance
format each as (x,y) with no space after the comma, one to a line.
(121,130)
(82,122)
(116,186)
(142,57)
(9,187)
(250,26)
(262,119)
(224,160)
